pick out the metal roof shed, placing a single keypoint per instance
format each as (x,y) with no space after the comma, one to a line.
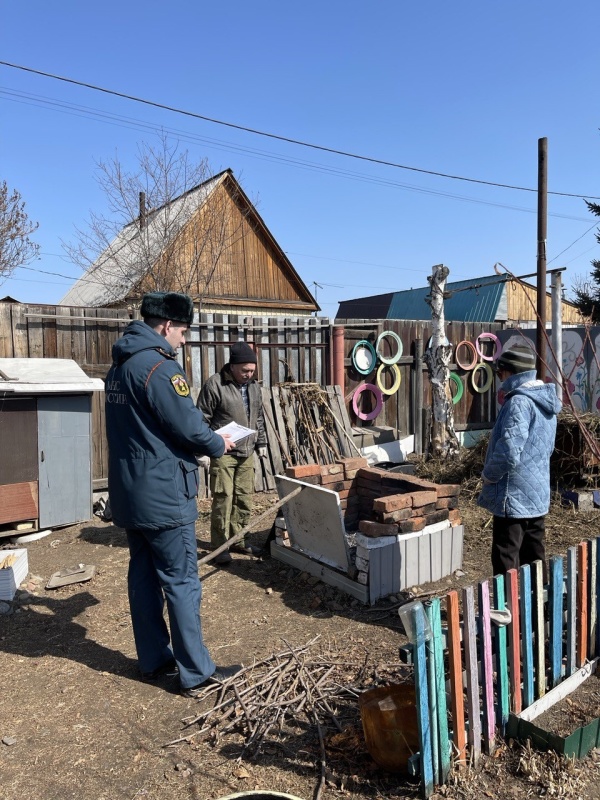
(45,442)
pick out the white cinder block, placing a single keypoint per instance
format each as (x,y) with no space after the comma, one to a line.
(12,577)
(371,542)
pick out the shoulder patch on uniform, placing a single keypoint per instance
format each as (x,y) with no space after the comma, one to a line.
(180,385)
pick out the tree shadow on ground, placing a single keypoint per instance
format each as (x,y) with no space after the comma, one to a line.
(34,633)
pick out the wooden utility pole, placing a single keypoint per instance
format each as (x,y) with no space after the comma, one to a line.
(542,226)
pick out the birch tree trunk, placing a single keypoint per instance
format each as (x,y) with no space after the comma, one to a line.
(437,358)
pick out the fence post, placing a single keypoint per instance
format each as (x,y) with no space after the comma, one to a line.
(526,634)
(571,610)
(456,672)
(489,723)
(582,604)
(556,617)
(501,658)
(540,661)
(470,640)
(421,693)
(514,639)
(418,397)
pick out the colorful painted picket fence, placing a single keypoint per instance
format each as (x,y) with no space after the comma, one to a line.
(553,632)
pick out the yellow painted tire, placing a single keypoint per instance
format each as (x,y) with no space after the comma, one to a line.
(397,378)
(488,381)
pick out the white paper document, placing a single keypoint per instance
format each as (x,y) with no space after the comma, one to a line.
(237,432)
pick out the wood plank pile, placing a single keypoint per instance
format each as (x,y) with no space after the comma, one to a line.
(305,424)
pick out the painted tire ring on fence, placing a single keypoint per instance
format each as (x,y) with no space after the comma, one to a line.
(397,378)
(399,348)
(358,351)
(470,346)
(367,387)
(488,381)
(495,340)
(459,388)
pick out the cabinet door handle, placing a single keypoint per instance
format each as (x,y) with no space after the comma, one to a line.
(42,455)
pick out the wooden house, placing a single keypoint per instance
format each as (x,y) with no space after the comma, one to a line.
(210,243)
(496,298)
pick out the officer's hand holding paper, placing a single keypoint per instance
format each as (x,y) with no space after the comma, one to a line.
(235,432)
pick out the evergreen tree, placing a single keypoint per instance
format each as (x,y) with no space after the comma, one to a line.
(587,291)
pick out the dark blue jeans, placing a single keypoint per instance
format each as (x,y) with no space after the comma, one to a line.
(163,566)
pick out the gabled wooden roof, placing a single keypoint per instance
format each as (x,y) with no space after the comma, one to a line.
(252,271)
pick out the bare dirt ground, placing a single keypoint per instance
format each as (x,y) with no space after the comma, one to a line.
(76,722)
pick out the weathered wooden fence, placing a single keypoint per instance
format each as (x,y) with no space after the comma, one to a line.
(406,408)
(553,632)
(286,347)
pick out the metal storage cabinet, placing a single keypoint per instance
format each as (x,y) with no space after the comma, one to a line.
(45,442)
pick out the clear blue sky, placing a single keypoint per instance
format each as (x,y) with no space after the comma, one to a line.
(465,88)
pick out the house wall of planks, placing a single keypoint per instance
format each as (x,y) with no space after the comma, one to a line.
(521,302)
(495,673)
(226,255)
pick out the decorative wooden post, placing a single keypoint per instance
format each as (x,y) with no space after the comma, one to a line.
(437,358)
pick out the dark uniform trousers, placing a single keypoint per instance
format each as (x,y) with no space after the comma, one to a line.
(167,561)
(516,542)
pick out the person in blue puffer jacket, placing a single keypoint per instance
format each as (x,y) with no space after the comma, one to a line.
(516,473)
(154,432)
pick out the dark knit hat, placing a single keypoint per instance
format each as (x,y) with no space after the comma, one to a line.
(168,305)
(517,359)
(242,353)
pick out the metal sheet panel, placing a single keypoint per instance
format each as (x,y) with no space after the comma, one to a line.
(314,522)
(65,465)
(18,441)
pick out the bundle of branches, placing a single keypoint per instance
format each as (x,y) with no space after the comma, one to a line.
(576,456)
(310,423)
(465,468)
(269,702)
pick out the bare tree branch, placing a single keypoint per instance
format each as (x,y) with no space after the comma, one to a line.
(16,248)
(175,243)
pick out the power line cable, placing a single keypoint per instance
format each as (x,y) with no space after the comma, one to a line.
(575,242)
(133,124)
(278,137)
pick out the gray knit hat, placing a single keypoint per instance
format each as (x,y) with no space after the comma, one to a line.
(518,358)
(168,305)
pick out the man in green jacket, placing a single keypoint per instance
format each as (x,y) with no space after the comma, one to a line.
(232,395)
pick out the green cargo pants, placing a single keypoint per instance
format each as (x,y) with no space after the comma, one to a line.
(231,486)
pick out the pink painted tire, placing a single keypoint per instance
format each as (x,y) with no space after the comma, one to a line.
(367,387)
(471,348)
(497,346)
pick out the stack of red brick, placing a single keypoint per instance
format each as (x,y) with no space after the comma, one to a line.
(382,503)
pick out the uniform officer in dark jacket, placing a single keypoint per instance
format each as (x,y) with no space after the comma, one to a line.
(232,395)
(154,431)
